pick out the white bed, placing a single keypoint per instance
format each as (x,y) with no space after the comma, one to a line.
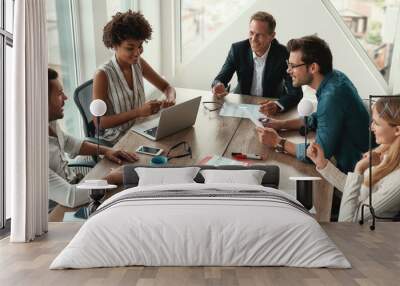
(223,225)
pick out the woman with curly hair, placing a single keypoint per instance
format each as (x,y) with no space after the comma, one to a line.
(385,170)
(119,82)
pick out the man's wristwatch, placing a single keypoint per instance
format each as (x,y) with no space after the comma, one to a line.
(281,146)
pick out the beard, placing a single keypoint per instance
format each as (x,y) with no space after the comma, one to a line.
(304,80)
(55,116)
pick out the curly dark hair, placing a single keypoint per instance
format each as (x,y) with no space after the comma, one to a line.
(124,26)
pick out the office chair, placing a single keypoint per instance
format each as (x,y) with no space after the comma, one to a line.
(82,99)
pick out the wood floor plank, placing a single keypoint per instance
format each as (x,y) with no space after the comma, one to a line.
(375,258)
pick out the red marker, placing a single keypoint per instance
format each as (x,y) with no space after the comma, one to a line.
(242,156)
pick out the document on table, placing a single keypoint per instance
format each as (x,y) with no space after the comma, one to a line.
(215,160)
(250,111)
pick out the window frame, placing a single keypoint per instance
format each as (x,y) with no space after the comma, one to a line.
(6,39)
(357,45)
(66,23)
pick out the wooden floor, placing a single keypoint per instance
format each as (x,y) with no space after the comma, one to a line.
(374,255)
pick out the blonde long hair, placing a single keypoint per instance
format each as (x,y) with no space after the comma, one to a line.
(388,109)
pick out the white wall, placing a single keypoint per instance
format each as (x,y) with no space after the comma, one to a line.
(294,19)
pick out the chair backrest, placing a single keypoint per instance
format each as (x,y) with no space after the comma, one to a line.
(83,98)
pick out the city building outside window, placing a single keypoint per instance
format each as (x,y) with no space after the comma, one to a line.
(374,24)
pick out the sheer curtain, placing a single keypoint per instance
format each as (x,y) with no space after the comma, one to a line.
(27,124)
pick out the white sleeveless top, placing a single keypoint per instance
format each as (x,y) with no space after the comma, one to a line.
(120,97)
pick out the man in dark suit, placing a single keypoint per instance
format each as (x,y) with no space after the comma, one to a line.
(260,65)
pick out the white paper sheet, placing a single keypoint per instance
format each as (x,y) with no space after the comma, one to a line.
(250,111)
(223,161)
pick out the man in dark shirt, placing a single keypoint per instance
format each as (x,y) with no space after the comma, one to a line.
(341,121)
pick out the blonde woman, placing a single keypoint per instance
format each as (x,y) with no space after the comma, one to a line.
(385,170)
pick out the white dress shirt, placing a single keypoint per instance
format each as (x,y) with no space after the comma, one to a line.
(259,65)
(60,175)
(385,193)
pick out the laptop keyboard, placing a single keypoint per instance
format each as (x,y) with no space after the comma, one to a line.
(151,131)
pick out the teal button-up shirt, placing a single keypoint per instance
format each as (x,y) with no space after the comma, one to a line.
(341,122)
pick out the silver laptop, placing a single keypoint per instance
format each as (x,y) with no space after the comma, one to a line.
(170,120)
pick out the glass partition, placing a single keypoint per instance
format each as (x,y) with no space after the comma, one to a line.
(202,19)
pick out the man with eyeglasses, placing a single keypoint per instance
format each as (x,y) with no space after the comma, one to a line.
(341,121)
(260,65)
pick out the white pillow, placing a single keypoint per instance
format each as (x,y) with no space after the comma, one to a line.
(248,177)
(166,176)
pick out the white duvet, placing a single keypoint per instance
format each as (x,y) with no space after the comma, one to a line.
(219,231)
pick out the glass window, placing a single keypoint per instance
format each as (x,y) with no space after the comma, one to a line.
(5,91)
(9,15)
(61,55)
(118,6)
(6,23)
(9,71)
(373,23)
(2,111)
(202,19)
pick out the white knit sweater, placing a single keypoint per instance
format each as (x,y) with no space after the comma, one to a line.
(385,193)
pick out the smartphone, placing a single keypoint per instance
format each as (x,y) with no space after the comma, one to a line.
(153,151)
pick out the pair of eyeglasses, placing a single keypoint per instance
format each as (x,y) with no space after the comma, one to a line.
(186,147)
(212,105)
(293,66)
